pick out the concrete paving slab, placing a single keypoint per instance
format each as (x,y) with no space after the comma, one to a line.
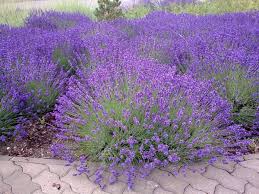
(46,176)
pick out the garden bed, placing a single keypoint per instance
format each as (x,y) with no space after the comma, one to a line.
(134,95)
(37,143)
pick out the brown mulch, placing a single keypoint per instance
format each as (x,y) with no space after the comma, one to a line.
(41,136)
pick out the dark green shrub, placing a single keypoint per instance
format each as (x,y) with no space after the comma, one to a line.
(108,10)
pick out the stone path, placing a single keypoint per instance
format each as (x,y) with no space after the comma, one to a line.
(47,176)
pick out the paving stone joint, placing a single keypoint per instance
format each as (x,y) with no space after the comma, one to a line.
(20,175)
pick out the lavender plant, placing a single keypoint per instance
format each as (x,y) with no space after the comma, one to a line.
(213,51)
(240,90)
(8,118)
(54,20)
(7,123)
(140,115)
(32,88)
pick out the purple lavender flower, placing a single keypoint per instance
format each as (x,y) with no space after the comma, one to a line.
(2,138)
(143,86)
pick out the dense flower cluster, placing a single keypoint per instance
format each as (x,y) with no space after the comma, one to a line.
(55,20)
(222,50)
(134,94)
(140,115)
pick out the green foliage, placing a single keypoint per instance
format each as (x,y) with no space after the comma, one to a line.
(157,55)
(137,12)
(200,8)
(61,57)
(239,90)
(72,6)
(108,10)
(245,115)
(101,146)
(12,16)
(215,7)
(103,139)
(43,96)
(7,121)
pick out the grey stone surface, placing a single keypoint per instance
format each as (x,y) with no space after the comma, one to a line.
(251,156)
(38,192)
(60,170)
(170,168)
(69,191)
(252,164)
(128,191)
(4,188)
(159,190)
(249,189)
(230,166)
(222,190)
(198,167)
(190,190)
(47,161)
(7,168)
(31,168)
(43,176)
(225,179)
(116,188)
(199,182)
(50,183)
(99,191)
(247,174)
(39,160)
(79,184)
(20,159)
(145,186)
(21,183)
(4,158)
(167,181)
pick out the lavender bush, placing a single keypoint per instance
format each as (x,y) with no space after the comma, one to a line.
(33,87)
(214,51)
(140,115)
(54,20)
(8,118)
(30,90)
(32,75)
(7,123)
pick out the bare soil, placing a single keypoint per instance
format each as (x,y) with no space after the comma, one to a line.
(37,143)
